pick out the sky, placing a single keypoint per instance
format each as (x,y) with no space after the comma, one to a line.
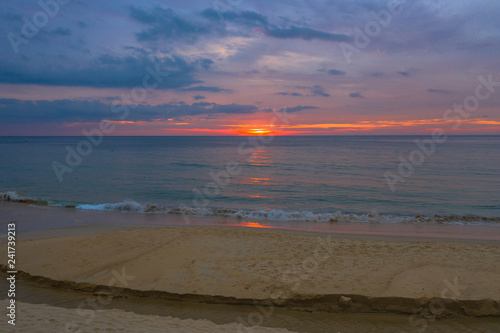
(242,67)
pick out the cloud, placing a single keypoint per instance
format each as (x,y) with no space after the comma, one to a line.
(14,111)
(61,31)
(198,97)
(439,91)
(245,17)
(335,72)
(15,17)
(284,93)
(102,72)
(205,63)
(305,33)
(404,73)
(356,95)
(234,108)
(205,88)
(378,74)
(254,19)
(318,91)
(299,108)
(165,24)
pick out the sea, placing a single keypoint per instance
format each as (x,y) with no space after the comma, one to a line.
(349,179)
(282,181)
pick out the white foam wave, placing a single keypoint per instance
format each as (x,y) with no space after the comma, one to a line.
(281,215)
(272,214)
(16,197)
(127,205)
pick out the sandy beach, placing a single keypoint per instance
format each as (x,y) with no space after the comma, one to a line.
(267,272)
(44,318)
(241,266)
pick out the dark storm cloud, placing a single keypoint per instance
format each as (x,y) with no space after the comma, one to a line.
(105,71)
(205,88)
(14,111)
(356,95)
(439,91)
(198,97)
(335,72)
(164,23)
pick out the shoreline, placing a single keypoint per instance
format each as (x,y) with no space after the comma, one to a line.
(47,222)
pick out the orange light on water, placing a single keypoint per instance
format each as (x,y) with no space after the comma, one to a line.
(254,225)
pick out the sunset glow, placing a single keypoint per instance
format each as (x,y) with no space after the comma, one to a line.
(257,131)
(184,68)
(208,151)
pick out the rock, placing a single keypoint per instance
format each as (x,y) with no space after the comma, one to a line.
(345,301)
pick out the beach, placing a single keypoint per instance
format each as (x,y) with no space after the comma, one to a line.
(233,264)
(297,270)
(250,166)
(44,318)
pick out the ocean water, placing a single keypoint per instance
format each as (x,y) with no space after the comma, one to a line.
(319,178)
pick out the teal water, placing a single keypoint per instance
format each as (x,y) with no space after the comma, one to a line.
(323,178)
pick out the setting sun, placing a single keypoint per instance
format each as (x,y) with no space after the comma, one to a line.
(257,131)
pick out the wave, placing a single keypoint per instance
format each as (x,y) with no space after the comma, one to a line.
(16,197)
(271,214)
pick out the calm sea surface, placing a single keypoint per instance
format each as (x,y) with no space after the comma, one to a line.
(294,178)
